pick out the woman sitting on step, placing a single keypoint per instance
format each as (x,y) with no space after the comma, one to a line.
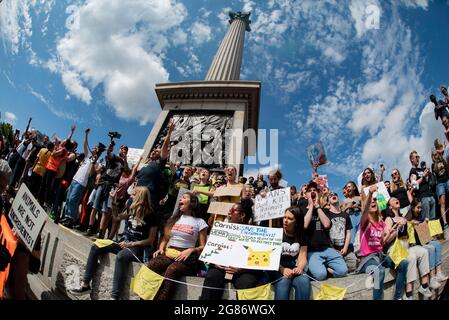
(178,251)
(240,213)
(140,232)
(374,235)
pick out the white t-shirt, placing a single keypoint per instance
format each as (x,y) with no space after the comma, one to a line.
(82,175)
(184,233)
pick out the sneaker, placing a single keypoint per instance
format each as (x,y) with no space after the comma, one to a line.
(81,291)
(425,292)
(404,297)
(445,226)
(80,228)
(68,223)
(434,284)
(90,232)
(441,277)
(52,215)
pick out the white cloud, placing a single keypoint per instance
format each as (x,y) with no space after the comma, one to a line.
(253,172)
(423,4)
(375,117)
(223,16)
(179,37)
(15,24)
(200,33)
(10,118)
(248,5)
(124,57)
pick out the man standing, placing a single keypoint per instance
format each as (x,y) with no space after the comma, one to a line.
(420,180)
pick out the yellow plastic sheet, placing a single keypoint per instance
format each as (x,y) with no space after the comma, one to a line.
(398,253)
(257,293)
(411,233)
(146,284)
(435,227)
(100,243)
(330,292)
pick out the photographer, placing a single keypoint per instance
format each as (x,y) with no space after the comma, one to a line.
(113,169)
(420,181)
(79,182)
(150,175)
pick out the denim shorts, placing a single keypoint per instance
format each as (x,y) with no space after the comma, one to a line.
(99,203)
(442,188)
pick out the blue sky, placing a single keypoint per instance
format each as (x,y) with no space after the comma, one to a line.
(325,75)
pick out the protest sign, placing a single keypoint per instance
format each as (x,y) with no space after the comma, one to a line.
(382,196)
(423,232)
(316,154)
(272,205)
(243,246)
(221,208)
(229,191)
(27,216)
(133,156)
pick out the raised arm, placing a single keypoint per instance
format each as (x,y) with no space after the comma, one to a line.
(72,130)
(136,166)
(28,126)
(164,149)
(308,216)
(85,144)
(366,205)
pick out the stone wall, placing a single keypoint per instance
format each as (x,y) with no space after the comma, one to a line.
(65,252)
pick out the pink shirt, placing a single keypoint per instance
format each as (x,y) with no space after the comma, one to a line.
(371,238)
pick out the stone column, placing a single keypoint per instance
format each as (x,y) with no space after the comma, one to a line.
(228,59)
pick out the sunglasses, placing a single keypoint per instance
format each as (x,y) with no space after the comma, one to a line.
(394,174)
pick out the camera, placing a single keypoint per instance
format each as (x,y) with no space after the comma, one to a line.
(114,135)
(423,165)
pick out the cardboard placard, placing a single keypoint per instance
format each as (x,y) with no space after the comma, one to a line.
(27,216)
(133,156)
(423,232)
(220,208)
(243,246)
(272,205)
(229,191)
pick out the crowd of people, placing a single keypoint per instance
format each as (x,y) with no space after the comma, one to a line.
(97,193)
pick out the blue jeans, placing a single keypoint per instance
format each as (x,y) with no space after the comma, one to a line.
(319,261)
(74,195)
(434,249)
(379,276)
(428,207)
(301,284)
(355,221)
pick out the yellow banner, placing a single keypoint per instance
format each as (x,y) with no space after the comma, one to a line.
(435,227)
(398,253)
(100,243)
(146,284)
(257,293)
(330,292)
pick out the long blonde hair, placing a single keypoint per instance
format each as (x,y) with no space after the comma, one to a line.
(393,186)
(141,205)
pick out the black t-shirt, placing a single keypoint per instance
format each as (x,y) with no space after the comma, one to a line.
(424,187)
(259,185)
(150,176)
(318,237)
(440,170)
(290,249)
(401,194)
(136,231)
(114,169)
(340,223)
